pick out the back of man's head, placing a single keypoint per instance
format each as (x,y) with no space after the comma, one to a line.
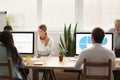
(98,35)
(8,28)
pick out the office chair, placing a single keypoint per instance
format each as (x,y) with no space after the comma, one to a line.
(9,65)
(86,76)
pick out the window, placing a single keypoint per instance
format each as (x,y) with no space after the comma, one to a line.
(56,13)
(100,13)
(22,13)
(29,14)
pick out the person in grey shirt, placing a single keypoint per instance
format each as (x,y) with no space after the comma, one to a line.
(116,31)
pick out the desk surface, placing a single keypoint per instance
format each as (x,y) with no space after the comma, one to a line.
(54,63)
(117,63)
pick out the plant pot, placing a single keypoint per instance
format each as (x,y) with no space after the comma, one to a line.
(60,58)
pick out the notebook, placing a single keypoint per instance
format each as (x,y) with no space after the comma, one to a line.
(38,63)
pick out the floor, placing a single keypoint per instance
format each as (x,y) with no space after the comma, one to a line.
(60,75)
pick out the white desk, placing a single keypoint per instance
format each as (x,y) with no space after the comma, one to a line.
(53,63)
(50,63)
(117,63)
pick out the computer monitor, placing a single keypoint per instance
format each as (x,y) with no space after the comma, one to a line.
(83,41)
(24,42)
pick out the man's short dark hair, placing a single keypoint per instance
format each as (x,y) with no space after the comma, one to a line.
(8,27)
(98,35)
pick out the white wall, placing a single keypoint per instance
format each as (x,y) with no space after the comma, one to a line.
(2,20)
(56,37)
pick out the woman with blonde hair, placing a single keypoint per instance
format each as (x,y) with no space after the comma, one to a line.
(45,48)
(45,43)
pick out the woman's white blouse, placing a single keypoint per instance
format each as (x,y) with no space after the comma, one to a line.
(46,50)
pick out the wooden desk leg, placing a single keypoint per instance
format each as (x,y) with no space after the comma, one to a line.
(35,74)
(79,73)
(45,75)
(52,74)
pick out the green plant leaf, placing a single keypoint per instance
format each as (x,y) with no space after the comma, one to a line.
(75,29)
(69,38)
(60,46)
(68,43)
(65,35)
(61,41)
(7,20)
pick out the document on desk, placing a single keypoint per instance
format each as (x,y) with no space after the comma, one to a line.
(73,59)
(38,63)
(118,59)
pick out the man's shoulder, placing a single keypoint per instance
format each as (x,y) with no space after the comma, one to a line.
(87,50)
(108,51)
(112,30)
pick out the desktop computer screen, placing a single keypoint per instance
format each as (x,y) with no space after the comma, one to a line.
(83,41)
(24,42)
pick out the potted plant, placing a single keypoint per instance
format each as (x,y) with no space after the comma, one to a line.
(61,54)
(67,43)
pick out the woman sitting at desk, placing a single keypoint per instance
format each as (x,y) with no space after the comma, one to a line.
(8,50)
(45,47)
(45,43)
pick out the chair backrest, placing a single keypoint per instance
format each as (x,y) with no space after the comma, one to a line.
(9,65)
(95,64)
